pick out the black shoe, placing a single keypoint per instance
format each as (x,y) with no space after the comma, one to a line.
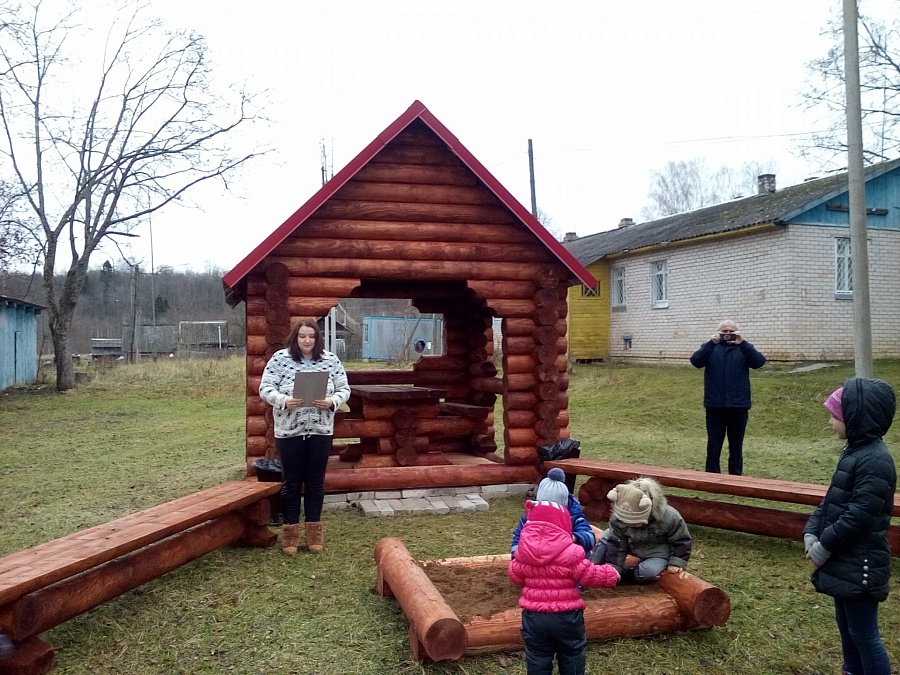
(628,574)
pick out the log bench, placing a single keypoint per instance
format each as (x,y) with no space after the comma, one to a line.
(48,584)
(770,522)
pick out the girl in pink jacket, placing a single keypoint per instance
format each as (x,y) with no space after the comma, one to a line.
(550,567)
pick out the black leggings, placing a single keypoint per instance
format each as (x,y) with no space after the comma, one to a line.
(303,463)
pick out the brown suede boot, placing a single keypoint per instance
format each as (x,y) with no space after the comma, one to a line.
(290,539)
(314,540)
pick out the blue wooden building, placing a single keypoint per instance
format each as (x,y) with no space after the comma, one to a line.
(18,341)
(400,338)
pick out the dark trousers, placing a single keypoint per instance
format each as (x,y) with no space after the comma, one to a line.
(303,463)
(857,620)
(562,634)
(719,423)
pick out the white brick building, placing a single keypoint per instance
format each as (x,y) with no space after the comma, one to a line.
(777,263)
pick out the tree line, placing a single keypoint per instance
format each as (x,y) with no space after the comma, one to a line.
(104,305)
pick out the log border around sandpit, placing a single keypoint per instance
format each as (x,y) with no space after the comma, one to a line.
(436,632)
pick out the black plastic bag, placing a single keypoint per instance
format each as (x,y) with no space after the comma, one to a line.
(564,449)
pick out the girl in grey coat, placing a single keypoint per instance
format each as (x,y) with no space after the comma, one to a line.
(643,524)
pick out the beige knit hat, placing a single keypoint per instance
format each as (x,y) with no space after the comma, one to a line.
(630,504)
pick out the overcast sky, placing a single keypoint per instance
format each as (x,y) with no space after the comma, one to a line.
(607,91)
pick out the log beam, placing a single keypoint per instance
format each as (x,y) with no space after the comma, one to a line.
(410,477)
(436,626)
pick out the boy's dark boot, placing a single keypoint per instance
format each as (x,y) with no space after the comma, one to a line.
(628,574)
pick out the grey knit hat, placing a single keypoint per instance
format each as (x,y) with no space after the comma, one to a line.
(553,488)
(630,504)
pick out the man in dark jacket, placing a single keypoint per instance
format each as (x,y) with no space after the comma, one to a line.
(846,536)
(727,358)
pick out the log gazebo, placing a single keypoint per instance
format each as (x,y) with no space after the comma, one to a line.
(416,216)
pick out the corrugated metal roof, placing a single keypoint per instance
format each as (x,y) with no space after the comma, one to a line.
(15,302)
(416,111)
(774,208)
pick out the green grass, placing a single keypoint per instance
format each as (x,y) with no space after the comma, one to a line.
(132,437)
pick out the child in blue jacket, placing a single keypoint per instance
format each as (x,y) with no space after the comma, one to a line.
(553,488)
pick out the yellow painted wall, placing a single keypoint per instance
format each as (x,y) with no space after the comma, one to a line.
(589,317)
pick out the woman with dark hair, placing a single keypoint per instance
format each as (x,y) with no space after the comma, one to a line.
(304,430)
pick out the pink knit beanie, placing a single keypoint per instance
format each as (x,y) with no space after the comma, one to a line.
(833,403)
(549,512)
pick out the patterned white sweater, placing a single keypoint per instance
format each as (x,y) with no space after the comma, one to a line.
(277,386)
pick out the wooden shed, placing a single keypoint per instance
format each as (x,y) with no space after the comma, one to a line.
(416,216)
(18,341)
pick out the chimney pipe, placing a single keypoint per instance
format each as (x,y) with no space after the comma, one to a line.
(625,222)
(765,183)
(570,236)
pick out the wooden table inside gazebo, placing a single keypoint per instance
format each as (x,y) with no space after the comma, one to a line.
(395,392)
(394,418)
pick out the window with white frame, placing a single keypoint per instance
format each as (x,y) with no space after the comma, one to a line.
(659,284)
(590,291)
(843,271)
(618,286)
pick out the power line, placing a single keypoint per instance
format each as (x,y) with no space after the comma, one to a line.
(698,141)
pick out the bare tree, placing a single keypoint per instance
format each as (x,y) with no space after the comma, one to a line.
(17,246)
(679,187)
(93,156)
(689,185)
(546,220)
(879,75)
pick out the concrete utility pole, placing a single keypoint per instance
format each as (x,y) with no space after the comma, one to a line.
(531,171)
(134,354)
(859,249)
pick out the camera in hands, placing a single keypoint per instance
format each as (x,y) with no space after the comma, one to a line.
(727,337)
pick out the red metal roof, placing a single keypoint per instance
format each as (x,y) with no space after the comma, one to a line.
(416,111)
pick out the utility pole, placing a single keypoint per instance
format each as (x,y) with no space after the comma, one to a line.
(859,249)
(154,346)
(134,347)
(330,320)
(327,162)
(531,172)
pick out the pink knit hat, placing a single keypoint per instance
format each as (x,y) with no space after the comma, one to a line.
(550,512)
(833,403)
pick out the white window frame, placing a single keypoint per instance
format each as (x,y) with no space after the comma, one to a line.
(617,287)
(588,292)
(843,268)
(659,284)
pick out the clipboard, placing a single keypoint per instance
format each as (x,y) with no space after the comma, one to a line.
(310,386)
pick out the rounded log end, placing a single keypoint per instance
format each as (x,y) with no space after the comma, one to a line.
(701,602)
(445,639)
(712,607)
(387,546)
